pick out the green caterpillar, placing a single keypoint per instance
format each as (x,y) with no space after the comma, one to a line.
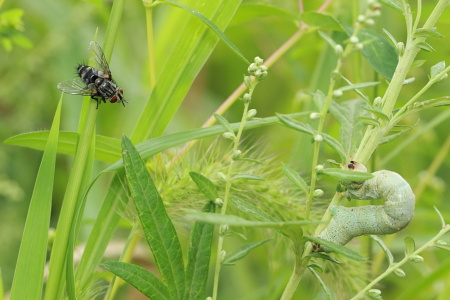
(393,216)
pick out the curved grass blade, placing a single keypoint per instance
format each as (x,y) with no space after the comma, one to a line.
(158,228)
(33,248)
(142,279)
(199,254)
(211,25)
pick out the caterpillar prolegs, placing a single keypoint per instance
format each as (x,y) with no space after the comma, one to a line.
(393,216)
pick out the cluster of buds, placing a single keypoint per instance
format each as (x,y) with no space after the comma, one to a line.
(257,69)
(372,11)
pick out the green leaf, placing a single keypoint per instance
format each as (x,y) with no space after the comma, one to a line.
(391,37)
(198,258)
(158,228)
(347,175)
(391,137)
(33,248)
(241,252)
(142,279)
(223,122)
(327,38)
(237,221)
(370,121)
(351,128)
(423,32)
(250,10)
(379,114)
(211,25)
(418,63)
(322,284)
(437,69)
(319,99)
(410,245)
(247,176)
(205,185)
(251,210)
(306,128)
(384,248)
(358,85)
(295,178)
(425,46)
(321,21)
(191,50)
(381,55)
(325,257)
(336,248)
(392,4)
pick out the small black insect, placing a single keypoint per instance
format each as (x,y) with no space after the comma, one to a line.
(95,82)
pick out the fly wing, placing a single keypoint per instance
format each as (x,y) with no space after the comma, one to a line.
(75,87)
(100,60)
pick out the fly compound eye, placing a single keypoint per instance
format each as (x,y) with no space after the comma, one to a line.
(113,99)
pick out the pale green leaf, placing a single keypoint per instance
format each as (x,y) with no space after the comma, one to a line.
(205,185)
(247,176)
(251,210)
(224,122)
(336,248)
(423,32)
(295,178)
(392,4)
(241,252)
(425,46)
(320,20)
(322,284)
(358,86)
(346,175)
(410,245)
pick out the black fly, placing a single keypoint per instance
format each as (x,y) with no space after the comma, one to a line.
(95,82)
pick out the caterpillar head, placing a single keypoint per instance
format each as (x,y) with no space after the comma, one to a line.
(353,166)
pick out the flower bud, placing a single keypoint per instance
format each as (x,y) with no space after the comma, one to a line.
(370,22)
(374,292)
(337,93)
(314,116)
(377,101)
(338,50)
(251,114)
(319,168)
(318,193)
(218,202)
(248,81)
(400,48)
(229,135)
(258,61)
(252,68)
(361,18)
(354,39)
(399,272)
(318,138)
(359,46)
(416,258)
(247,97)
(237,154)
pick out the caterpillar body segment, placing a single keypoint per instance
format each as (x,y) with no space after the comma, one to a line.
(393,216)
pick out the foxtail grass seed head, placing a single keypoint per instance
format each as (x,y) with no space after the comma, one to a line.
(251,114)
(399,272)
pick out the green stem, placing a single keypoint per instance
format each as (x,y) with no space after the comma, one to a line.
(394,267)
(150,45)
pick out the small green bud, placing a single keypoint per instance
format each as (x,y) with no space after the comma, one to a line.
(338,50)
(354,39)
(335,74)
(229,135)
(258,61)
(370,22)
(314,115)
(252,68)
(262,75)
(378,101)
(247,97)
(218,202)
(251,114)
(224,228)
(221,176)
(318,138)
(209,298)
(248,81)
(337,93)
(399,272)
(416,258)
(361,18)
(359,46)
(374,292)
(319,168)
(237,154)
(318,193)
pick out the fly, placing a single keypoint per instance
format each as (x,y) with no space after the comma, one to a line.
(96,82)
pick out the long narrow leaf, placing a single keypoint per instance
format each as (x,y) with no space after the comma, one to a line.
(205,185)
(142,279)
(198,258)
(158,228)
(28,278)
(241,252)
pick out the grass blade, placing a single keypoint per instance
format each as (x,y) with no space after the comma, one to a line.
(142,279)
(158,228)
(33,249)
(198,258)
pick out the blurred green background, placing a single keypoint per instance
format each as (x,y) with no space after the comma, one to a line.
(59,33)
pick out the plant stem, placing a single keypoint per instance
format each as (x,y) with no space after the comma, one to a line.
(394,267)
(150,44)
